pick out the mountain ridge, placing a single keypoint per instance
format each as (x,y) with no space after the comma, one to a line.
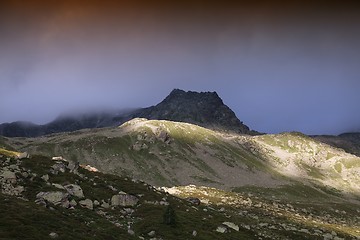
(203,108)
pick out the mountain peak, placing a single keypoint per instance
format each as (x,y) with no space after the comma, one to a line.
(179,93)
(202,108)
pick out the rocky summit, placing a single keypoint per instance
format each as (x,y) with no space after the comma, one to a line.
(202,108)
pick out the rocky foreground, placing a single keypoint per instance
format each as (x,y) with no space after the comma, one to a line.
(56,198)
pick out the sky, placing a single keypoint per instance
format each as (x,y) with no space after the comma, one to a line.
(279,65)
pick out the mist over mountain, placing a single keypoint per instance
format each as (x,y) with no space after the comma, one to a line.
(65,123)
(205,109)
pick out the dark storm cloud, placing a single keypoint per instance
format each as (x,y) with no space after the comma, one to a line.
(280,66)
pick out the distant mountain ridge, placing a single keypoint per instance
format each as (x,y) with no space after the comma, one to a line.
(350,142)
(65,123)
(202,108)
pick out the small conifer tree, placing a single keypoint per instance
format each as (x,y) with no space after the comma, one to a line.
(169,216)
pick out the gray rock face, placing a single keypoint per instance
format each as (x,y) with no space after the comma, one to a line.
(124,200)
(74,190)
(87,203)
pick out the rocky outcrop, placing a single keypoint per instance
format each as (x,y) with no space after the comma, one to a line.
(202,108)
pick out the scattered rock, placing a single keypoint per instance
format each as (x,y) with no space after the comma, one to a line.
(124,200)
(45,177)
(221,229)
(73,166)
(87,203)
(89,168)
(73,203)
(112,188)
(151,233)
(137,146)
(56,198)
(53,235)
(8,176)
(58,186)
(60,158)
(303,230)
(163,136)
(231,225)
(194,233)
(328,236)
(23,155)
(193,200)
(58,167)
(104,205)
(74,190)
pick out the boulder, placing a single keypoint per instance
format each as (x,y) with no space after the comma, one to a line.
(45,177)
(56,198)
(87,203)
(104,204)
(231,225)
(53,235)
(151,233)
(8,176)
(23,155)
(73,203)
(221,229)
(124,200)
(74,190)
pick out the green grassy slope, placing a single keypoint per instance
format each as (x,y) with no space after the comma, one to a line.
(166,153)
